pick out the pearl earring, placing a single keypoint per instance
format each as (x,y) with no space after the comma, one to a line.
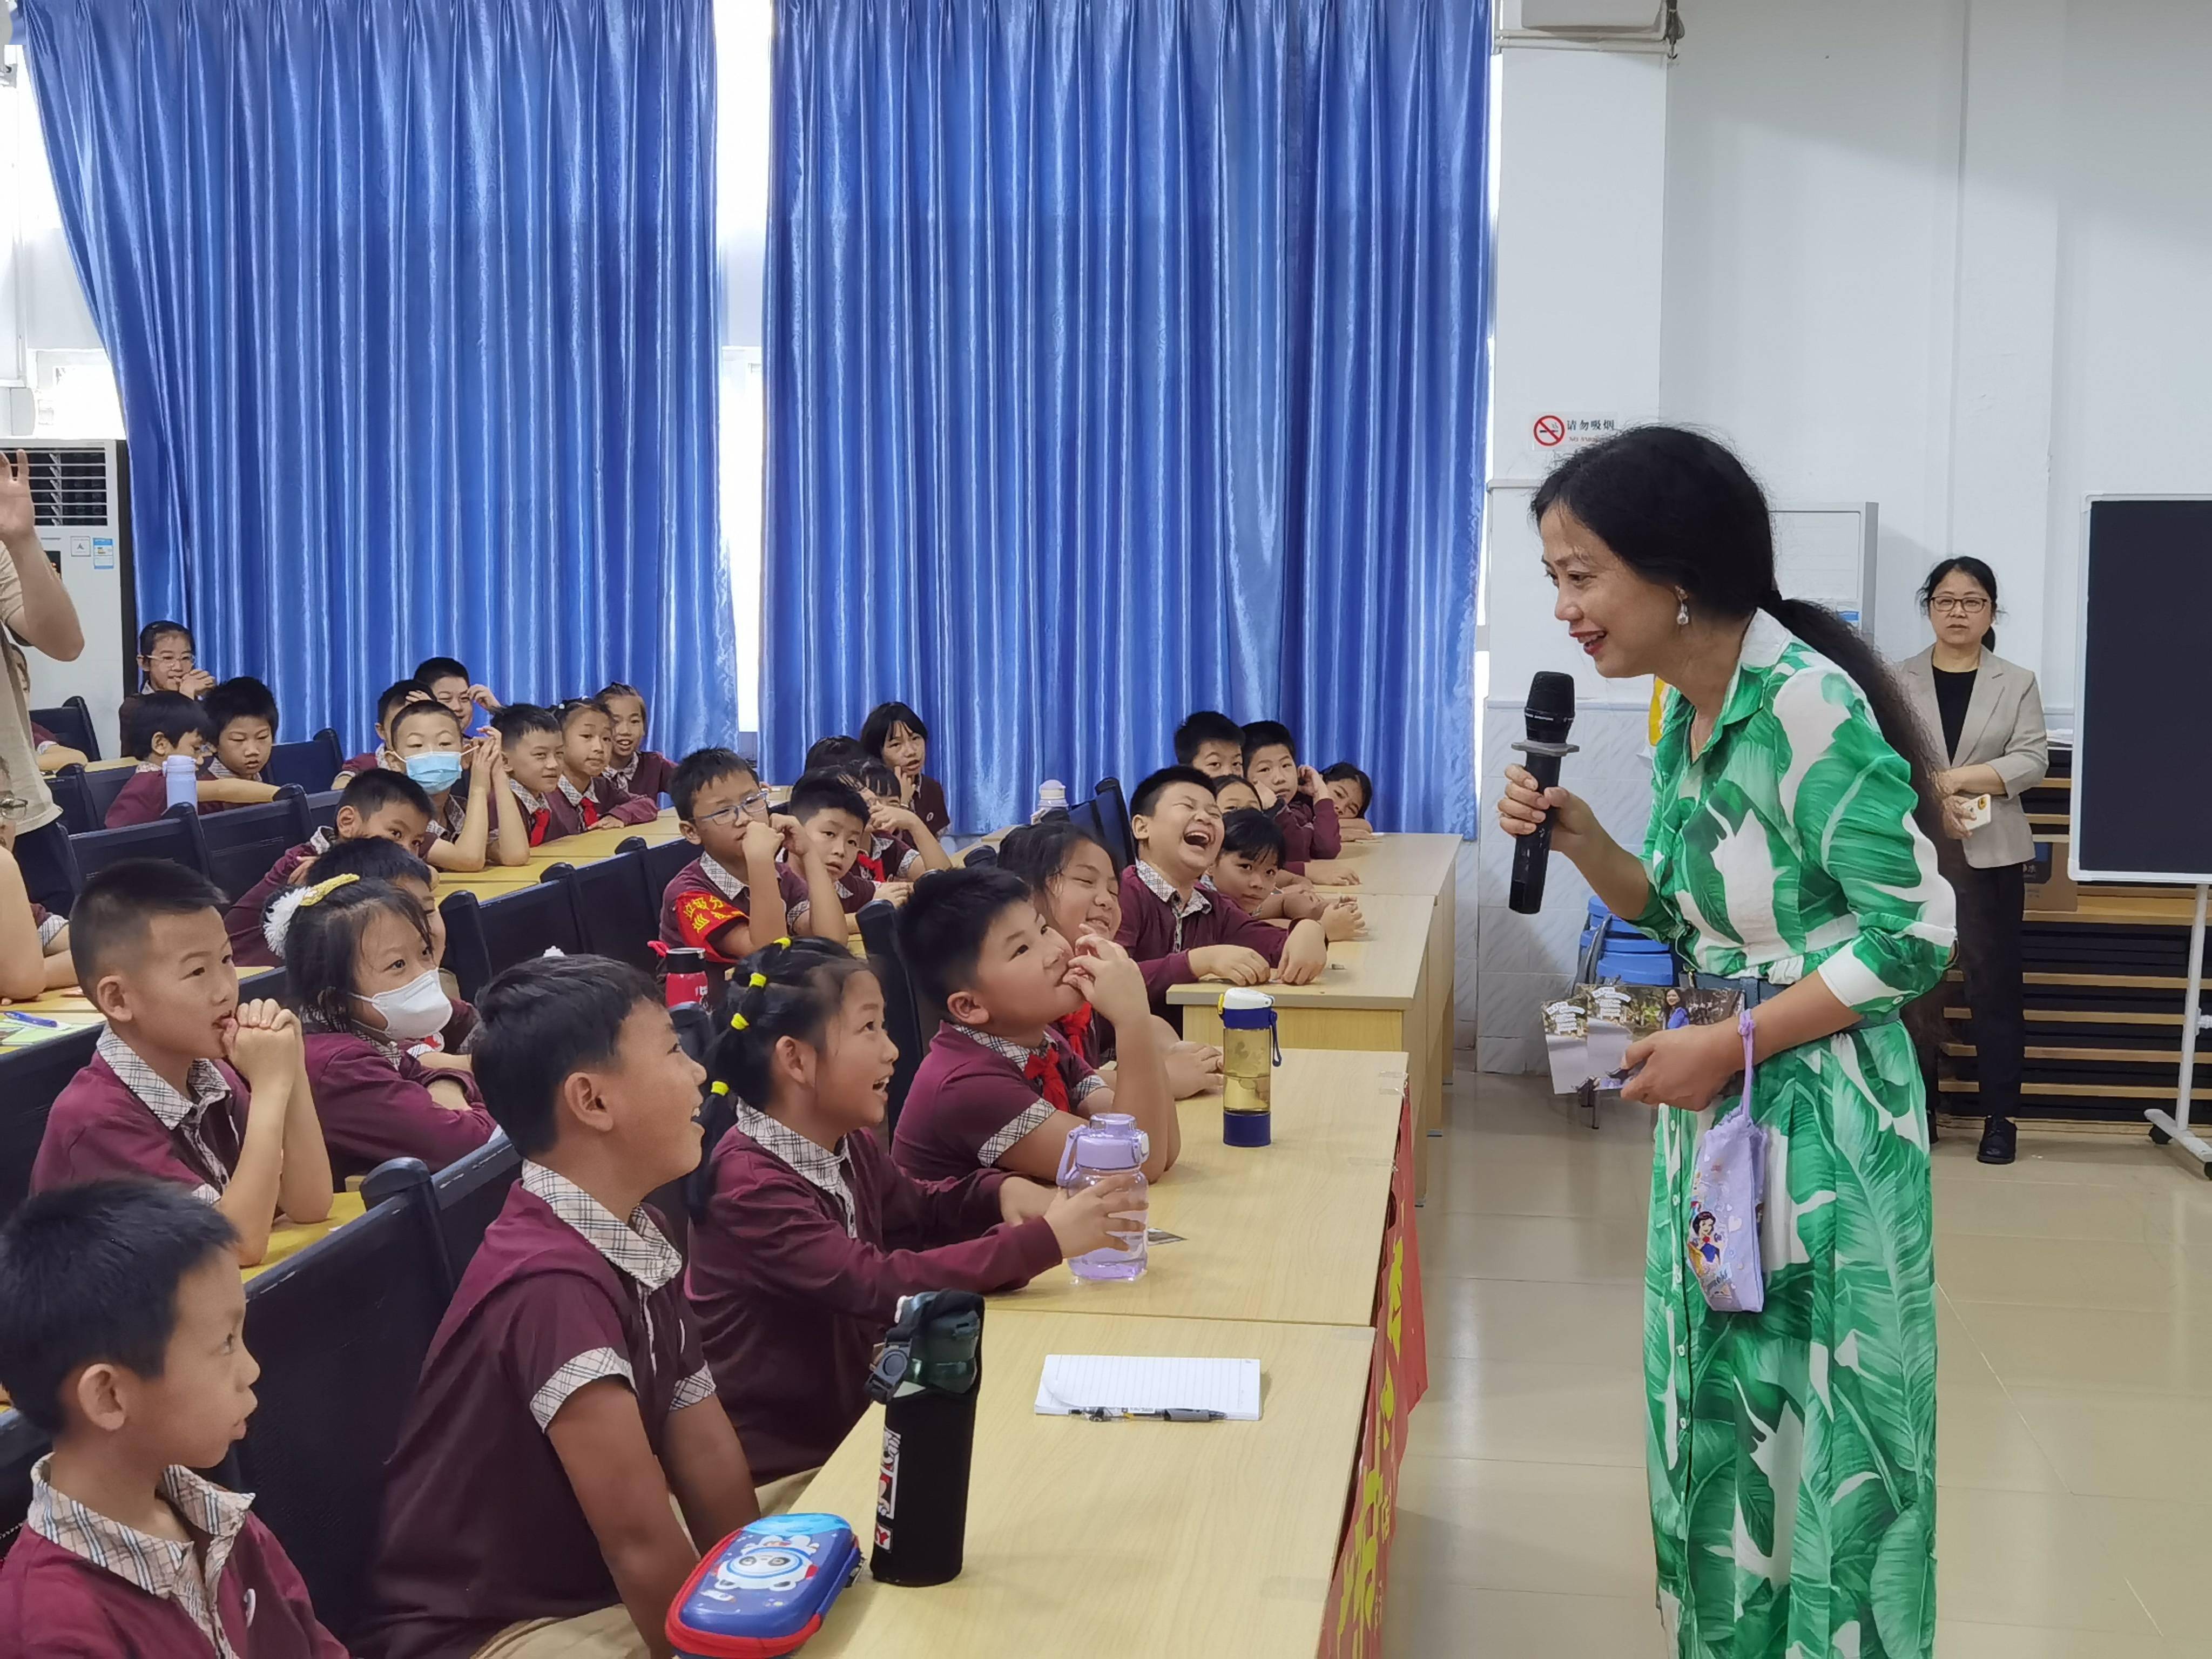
(1682,612)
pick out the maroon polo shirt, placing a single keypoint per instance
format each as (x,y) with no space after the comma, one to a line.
(968,1104)
(481,1528)
(613,802)
(56,1604)
(1148,927)
(856,889)
(359,764)
(650,776)
(142,800)
(557,820)
(249,947)
(693,908)
(99,1129)
(928,805)
(1310,829)
(375,1106)
(791,1306)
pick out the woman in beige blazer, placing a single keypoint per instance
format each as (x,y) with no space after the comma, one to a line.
(1985,720)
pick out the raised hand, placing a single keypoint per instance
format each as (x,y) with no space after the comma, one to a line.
(16,519)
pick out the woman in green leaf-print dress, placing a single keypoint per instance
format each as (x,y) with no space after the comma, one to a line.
(1792,1452)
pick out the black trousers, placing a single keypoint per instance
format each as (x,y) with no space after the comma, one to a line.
(1989,906)
(43,857)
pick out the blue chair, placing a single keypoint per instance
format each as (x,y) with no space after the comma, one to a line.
(323,809)
(74,796)
(483,938)
(175,836)
(243,842)
(31,1078)
(341,1330)
(311,763)
(71,725)
(616,915)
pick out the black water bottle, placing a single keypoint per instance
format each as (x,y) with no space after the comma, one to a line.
(927,1376)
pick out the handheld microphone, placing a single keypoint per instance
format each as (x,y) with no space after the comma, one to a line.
(1551,716)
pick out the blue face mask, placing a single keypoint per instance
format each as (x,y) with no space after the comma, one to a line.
(436,769)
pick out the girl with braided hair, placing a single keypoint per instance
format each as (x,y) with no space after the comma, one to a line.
(808,1235)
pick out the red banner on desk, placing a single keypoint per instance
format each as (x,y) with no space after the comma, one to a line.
(1397,1380)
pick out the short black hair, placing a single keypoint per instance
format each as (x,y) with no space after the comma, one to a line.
(369,793)
(785,990)
(1260,734)
(373,858)
(570,708)
(1247,832)
(431,669)
(399,694)
(90,1274)
(322,940)
(1222,784)
(1038,852)
(825,792)
(1147,795)
(882,719)
(115,908)
(241,698)
(420,708)
(947,918)
(700,769)
(538,1023)
(1345,771)
(520,719)
(619,689)
(170,714)
(828,752)
(1206,725)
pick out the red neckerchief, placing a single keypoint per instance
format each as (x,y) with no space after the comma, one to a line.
(590,809)
(1044,1070)
(872,865)
(540,820)
(1076,1028)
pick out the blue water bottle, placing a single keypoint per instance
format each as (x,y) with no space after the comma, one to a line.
(1249,1054)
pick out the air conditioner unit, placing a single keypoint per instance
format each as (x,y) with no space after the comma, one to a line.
(1596,19)
(80,502)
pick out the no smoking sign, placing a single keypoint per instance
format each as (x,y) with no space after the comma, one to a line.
(1553,436)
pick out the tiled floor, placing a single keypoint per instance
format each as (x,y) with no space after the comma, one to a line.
(2075,1515)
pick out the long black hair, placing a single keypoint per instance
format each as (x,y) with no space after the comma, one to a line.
(1974,571)
(1680,509)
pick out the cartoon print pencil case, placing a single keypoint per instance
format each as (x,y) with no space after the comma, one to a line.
(763,1589)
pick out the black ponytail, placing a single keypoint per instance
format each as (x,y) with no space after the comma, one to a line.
(1681,510)
(1974,571)
(789,989)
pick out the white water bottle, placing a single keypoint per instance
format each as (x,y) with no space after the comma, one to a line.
(180,778)
(1052,796)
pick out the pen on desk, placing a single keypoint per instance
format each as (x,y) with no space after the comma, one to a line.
(31,1020)
(1174,1414)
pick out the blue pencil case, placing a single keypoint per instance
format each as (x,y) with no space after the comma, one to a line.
(763,1590)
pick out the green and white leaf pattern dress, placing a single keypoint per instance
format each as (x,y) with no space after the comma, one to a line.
(1792,1452)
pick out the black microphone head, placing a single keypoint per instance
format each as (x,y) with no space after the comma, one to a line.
(1551,706)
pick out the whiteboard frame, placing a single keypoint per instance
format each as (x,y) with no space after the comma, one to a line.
(2074,866)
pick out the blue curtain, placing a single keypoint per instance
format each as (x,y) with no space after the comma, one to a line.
(411,305)
(1126,357)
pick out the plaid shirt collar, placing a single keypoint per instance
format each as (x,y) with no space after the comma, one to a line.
(1164,890)
(530,803)
(576,797)
(174,1110)
(822,1168)
(623,776)
(724,883)
(160,1566)
(635,1247)
(1000,1046)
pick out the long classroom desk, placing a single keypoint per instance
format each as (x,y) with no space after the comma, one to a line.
(1374,995)
(592,847)
(1288,1233)
(1125,1539)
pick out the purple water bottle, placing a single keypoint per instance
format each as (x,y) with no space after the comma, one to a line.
(180,778)
(1109,1144)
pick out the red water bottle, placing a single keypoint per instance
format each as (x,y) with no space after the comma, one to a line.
(686,984)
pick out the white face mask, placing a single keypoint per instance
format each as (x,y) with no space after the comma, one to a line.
(417,1009)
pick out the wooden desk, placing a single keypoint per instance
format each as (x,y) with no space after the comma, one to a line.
(1376,994)
(293,1237)
(1136,1541)
(1291,1232)
(15,1035)
(594,846)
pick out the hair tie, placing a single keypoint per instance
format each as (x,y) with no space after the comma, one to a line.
(323,890)
(782,944)
(739,1021)
(758,981)
(717,1087)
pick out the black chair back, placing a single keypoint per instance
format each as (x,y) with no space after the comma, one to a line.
(311,763)
(614,914)
(661,864)
(22,1442)
(101,785)
(340,1331)
(323,808)
(980,857)
(1105,818)
(74,796)
(243,843)
(468,958)
(903,1015)
(30,1080)
(470,1193)
(71,725)
(175,836)
(525,922)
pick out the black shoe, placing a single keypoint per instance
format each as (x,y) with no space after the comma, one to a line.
(2000,1139)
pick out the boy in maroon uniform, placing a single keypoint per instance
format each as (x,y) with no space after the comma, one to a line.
(735,896)
(835,816)
(1304,805)
(565,1396)
(1210,742)
(1173,922)
(396,696)
(122,1334)
(811,1234)
(530,738)
(587,745)
(160,1096)
(390,805)
(1000,1085)
(167,723)
(244,713)
(449,682)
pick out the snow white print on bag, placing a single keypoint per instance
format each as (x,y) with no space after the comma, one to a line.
(1728,1190)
